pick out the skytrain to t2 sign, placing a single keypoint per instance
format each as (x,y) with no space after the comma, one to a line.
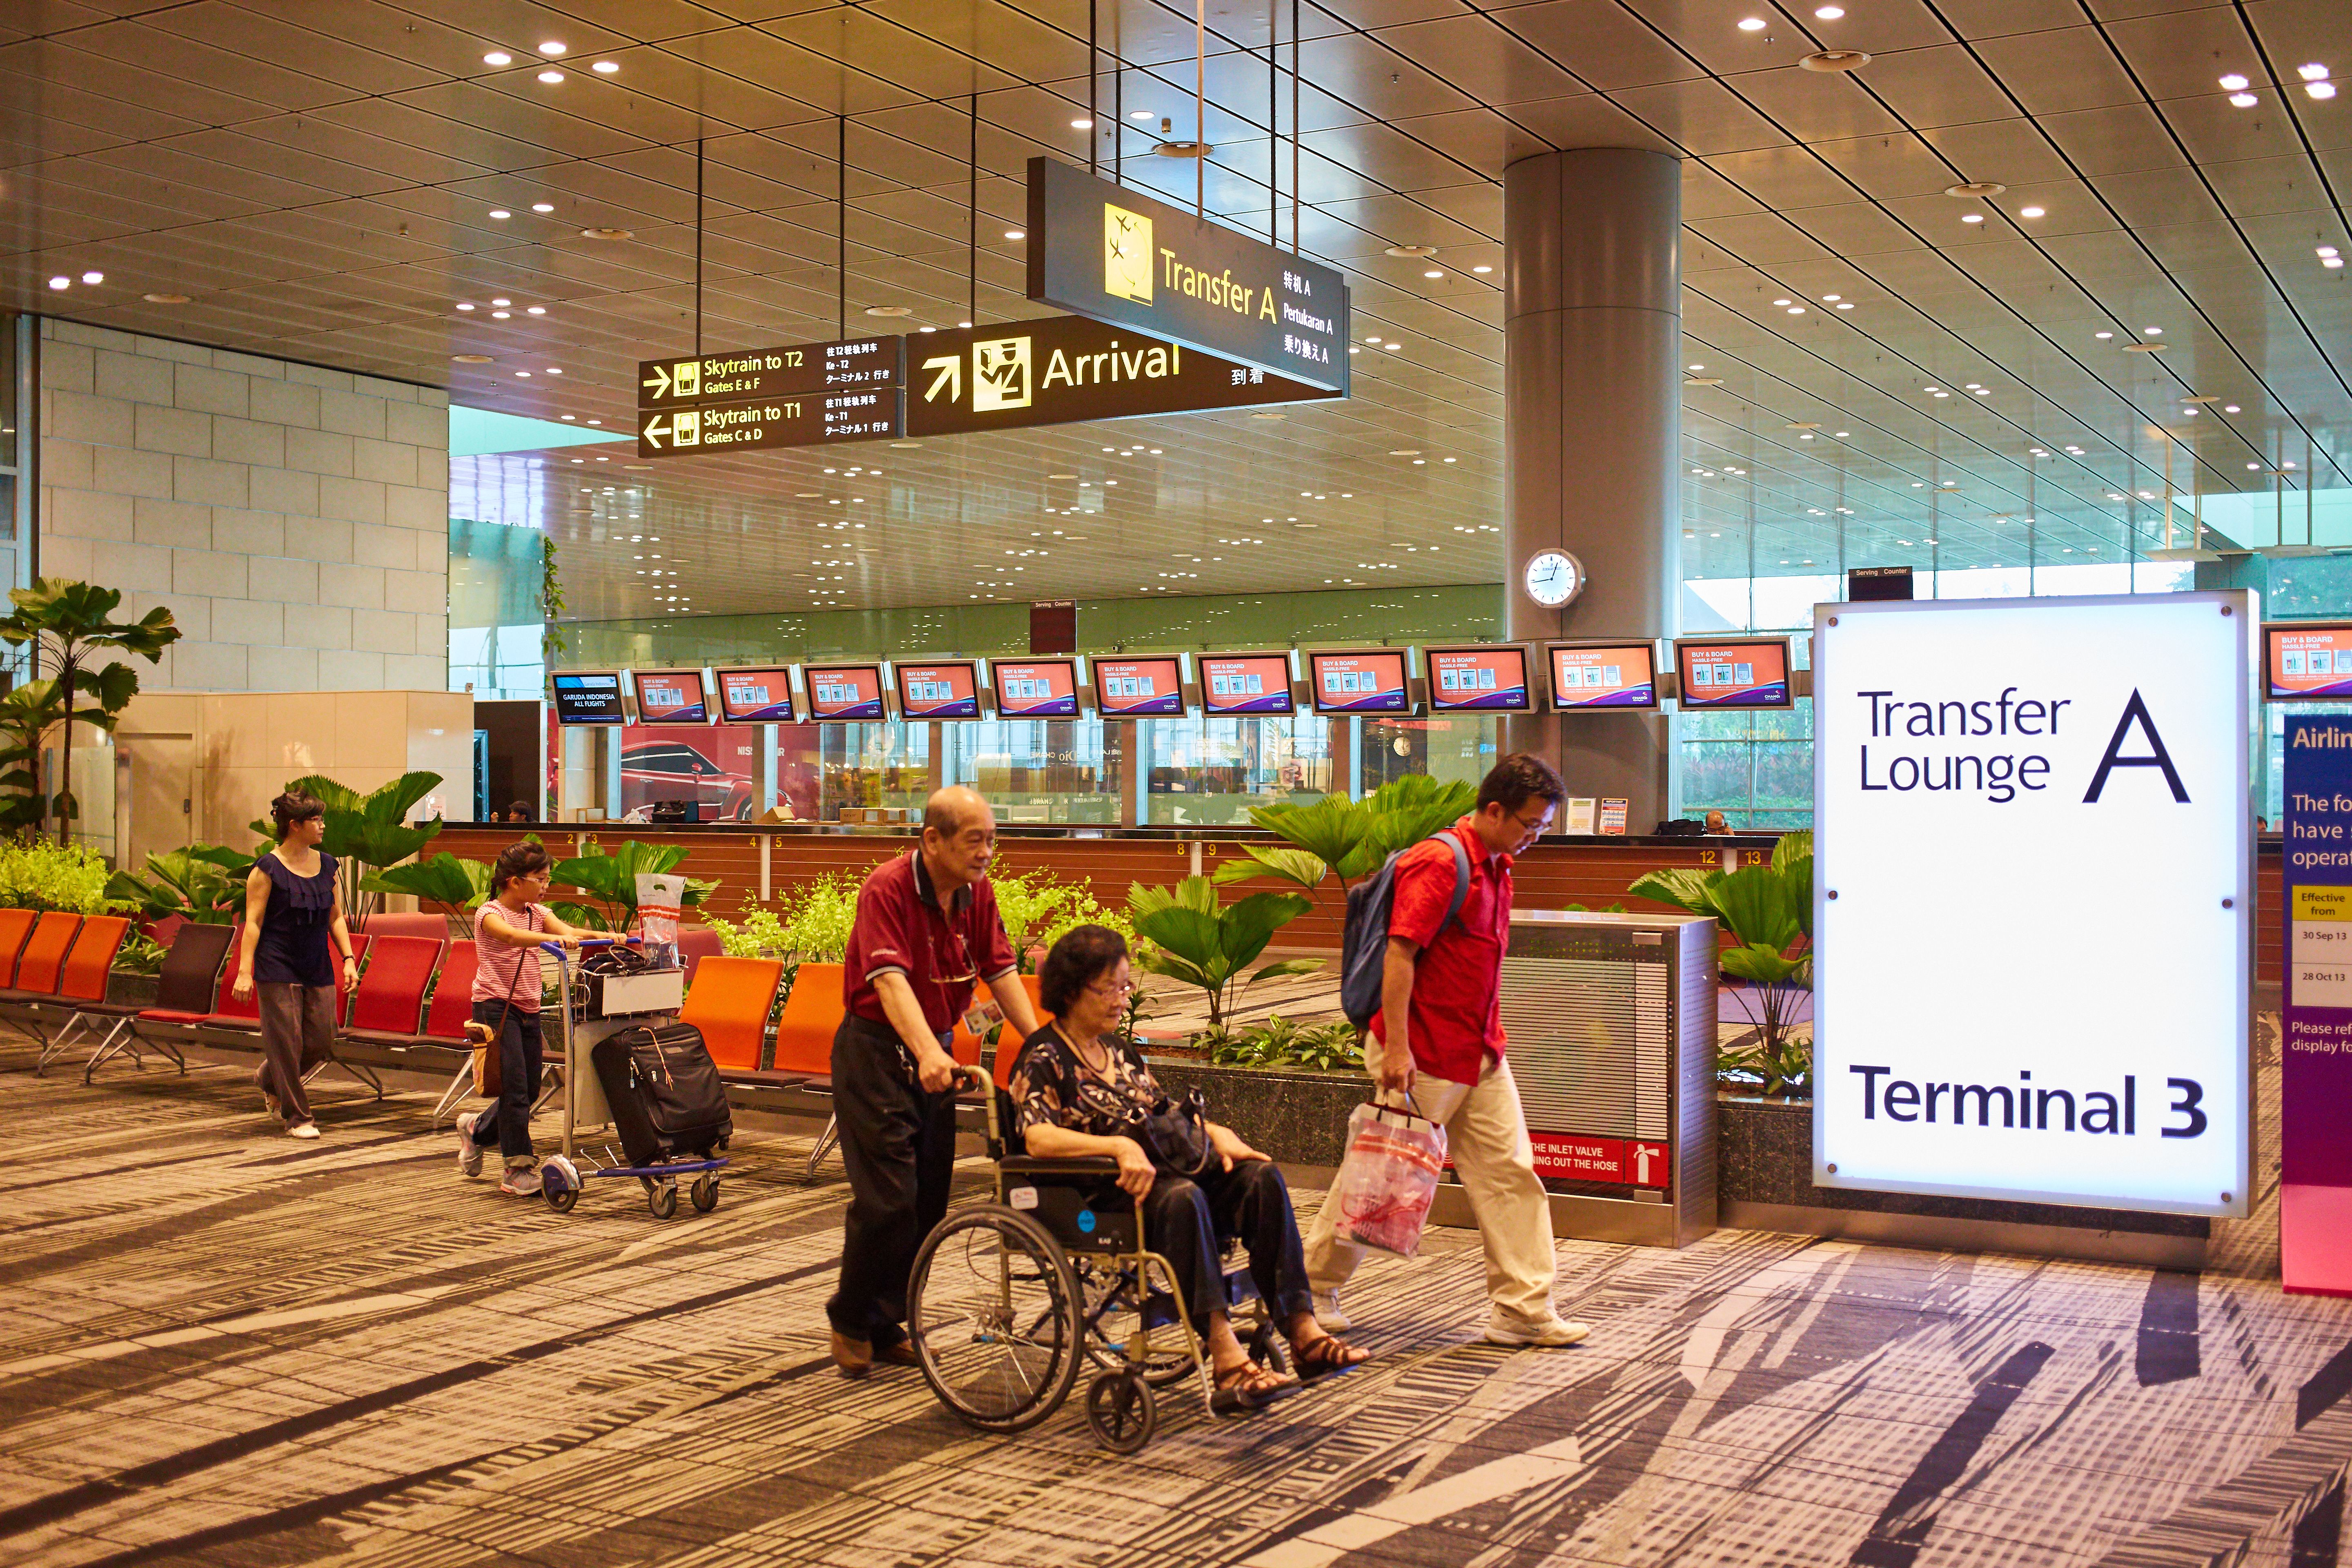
(1118,256)
(2034,899)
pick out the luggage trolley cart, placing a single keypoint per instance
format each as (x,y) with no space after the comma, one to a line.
(592,1014)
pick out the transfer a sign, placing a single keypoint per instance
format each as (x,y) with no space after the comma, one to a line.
(1112,253)
(738,376)
(2033,891)
(721,427)
(1066,368)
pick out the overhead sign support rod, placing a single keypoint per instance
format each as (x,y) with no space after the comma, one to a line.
(971,247)
(1201,108)
(697,246)
(841,222)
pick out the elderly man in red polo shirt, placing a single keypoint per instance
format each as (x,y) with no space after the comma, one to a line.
(927,933)
(1442,979)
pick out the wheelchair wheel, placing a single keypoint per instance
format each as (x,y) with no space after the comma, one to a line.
(1122,1412)
(993,1311)
(1109,1327)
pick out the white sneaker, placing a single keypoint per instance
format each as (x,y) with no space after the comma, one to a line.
(1551,1333)
(470,1153)
(1329,1315)
(303,1129)
(521,1181)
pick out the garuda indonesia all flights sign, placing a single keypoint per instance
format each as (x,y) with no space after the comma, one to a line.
(1114,254)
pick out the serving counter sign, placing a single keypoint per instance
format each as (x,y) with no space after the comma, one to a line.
(2033,891)
(1112,253)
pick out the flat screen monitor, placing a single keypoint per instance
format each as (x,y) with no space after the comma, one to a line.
(1491,677)
(1232,684)
(671,696)
(1370,680)
(1140,688)
(1732,672)
(588,697)
(946,688)
(1590,676)
(844,693)
(761,696)
(1036,688)
(2307,661)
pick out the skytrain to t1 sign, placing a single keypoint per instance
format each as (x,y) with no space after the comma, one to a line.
(2034,899)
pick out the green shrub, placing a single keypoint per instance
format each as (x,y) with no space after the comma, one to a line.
(757,935)
(1281,1043)
(38,875)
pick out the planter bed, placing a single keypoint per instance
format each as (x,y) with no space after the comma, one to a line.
(1298,1117)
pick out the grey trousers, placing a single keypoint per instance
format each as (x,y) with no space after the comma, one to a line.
(298,1033)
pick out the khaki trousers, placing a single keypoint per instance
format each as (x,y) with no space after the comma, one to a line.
(1486,1137)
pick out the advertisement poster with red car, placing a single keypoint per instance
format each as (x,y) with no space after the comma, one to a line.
(710,770)
(1478,680)
(1734,674)
(1621,676)
(844,693)
(1140,688)
(1369,682)
(1238,683)
(756,696)
(949,690)
(1036,688)
(670,696)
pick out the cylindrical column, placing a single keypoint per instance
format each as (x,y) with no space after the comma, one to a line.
(1592,434)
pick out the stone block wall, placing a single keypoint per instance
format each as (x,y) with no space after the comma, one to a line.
(294,521)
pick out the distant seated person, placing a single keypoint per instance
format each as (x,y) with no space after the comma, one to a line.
(1083,1090)
(1716,824)
(518,812)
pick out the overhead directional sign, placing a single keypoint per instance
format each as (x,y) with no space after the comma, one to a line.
(736,376)
(1063,369)
(1112,253)
(762,423)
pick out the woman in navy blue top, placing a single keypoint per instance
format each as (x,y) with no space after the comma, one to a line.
(294,932)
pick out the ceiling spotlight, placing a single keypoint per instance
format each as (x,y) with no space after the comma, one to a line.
(1432,272)
(2319,89)
(2229,408)
(2331,261)
(1974,188)
(1082,125)
(93,276)
(1972,217)
(605,68)
(61,281)
(464,304)
(2029,211)
(2102,335)
(2312,72)
(1016,234)
(2233,82)
(502,301)
(608,234)
(542,207)
(535,310)
(500,214)
(1829,13)
(550,77)
(2151,331)
(473,359)
(498,57)
(1751,24)
(550,49)
(166,298)
(1831,299)
(889,310)
(1482,269)
(2243,100)
(1834,60)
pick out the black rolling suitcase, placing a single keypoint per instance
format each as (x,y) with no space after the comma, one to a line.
(667,1100)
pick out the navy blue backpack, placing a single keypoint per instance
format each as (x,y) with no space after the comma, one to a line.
(1364,940)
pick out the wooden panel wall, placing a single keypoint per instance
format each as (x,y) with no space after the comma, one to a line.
(1548,877)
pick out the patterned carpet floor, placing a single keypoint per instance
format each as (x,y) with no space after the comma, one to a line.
(223,1347)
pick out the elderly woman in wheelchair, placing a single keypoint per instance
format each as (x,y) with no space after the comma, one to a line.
(1006,1297)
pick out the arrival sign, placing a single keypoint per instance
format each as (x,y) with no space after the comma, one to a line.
(1112,253)
(2033,892)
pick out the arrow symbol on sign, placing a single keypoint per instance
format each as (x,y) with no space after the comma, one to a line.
(659,380)
(655,428)
(951,369)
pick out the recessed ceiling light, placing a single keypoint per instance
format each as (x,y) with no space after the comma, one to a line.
(608,234)
(473,359)
(61,281)
(1482,269)
(1846,304)
(2233,82)
(535,310)
(2243,100)
(498,57)
(1434,273)
(542,207)
(1829,13)
(500,212)
(2322,90)
(1976,188)
(1405,452)
(1016,234)
(2151,331)
(2229,408)
(550,49)
(1751,24)
(889,310)
(550,77)
(93,276)
(1972,217)
(2102,335)
(605,68)
(501,315)
(1834,60)
(2029,211)
(166,298)
(1829,298)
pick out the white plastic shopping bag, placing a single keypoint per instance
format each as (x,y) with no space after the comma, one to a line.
(659,898)
(1388,1178)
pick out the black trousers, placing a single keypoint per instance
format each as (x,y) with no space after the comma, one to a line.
(1186,1222)
(898,1142)
(520,1057)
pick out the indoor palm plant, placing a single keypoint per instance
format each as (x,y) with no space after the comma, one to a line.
(1189,936)
(609,882)
(63,625)
(1769,912)
(1348,839)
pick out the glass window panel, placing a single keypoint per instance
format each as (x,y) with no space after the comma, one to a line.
(1211,771)
(1038,770)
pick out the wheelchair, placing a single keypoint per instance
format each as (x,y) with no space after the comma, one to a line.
(1009,1301)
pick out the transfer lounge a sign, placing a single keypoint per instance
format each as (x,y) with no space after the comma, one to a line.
(2034,899)
(1112,253)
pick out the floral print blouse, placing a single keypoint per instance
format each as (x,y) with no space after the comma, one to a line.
(1053,1089)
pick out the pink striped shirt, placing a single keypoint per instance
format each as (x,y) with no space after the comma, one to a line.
(499,968)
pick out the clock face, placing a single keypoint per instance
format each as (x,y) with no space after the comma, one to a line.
(1553,578)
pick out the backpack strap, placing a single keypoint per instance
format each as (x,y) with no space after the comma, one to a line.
(1461,878)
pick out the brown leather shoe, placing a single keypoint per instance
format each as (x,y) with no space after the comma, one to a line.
(854,1357)
(900,1352)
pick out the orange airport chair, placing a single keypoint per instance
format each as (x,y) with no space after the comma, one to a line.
(966,1046)
(811,1014)
(730,1003)
(41,963)
(81,988)
(16,926)
(228,1012)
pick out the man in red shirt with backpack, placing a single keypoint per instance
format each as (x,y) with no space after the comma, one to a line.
(1442,977)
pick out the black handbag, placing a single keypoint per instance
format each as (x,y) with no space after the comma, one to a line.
(1175,1134)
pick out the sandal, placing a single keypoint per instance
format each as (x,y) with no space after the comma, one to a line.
(1326,1356)
(1246,1385)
